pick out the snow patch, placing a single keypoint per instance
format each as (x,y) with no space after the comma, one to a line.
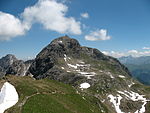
(136,97)
(79,67)
(83,65)
(65,57)
(82,62)
(102,111)
(133,96)
(142,110)
(72,66)
(131,84)
(121,76)
(111,76)
(84,85)
(87,74)
(8,97)
(100,71)
(60,41)
(26,69)
(84,98)
(116,102)
(62,68)
(103,100)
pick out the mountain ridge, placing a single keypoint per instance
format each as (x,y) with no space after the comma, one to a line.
(63,46)
(104,79)
(135,60)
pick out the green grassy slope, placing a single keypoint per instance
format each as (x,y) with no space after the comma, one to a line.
(48,96)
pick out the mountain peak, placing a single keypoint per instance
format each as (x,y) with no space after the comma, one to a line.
(7,60)
(10,56)
(65,41)
(65,52)
(9,64)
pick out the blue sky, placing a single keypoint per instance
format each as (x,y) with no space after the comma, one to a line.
(116,27)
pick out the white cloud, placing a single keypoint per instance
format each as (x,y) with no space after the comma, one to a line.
(114,54)
(140,53)
(52,15)
(133,53)
(105,52)
(49,13)
(84,15)
(10,26)
(98,35)
(146,48)
(65,1)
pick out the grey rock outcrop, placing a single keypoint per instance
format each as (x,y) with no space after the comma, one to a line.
(11,65)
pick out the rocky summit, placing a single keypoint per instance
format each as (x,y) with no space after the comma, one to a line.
(99,79)
(65,58)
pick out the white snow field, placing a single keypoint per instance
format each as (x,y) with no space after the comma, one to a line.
(8,97)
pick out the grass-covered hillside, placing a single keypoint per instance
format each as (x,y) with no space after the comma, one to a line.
(48,96)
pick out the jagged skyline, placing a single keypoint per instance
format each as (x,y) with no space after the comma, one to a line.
(117,28)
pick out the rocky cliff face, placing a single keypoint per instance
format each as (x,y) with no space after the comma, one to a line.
(11,65)
(8,60)
(91,73)
(65,54)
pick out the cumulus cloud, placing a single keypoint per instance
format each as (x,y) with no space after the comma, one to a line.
(139,53)
(65,1)
(49,13)
(114,54)
(10,26)
(52,15)
(98,35)
(146,48)
(84,15)
(134,53)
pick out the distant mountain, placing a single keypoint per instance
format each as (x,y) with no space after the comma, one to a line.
(135,60)
(139,67)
